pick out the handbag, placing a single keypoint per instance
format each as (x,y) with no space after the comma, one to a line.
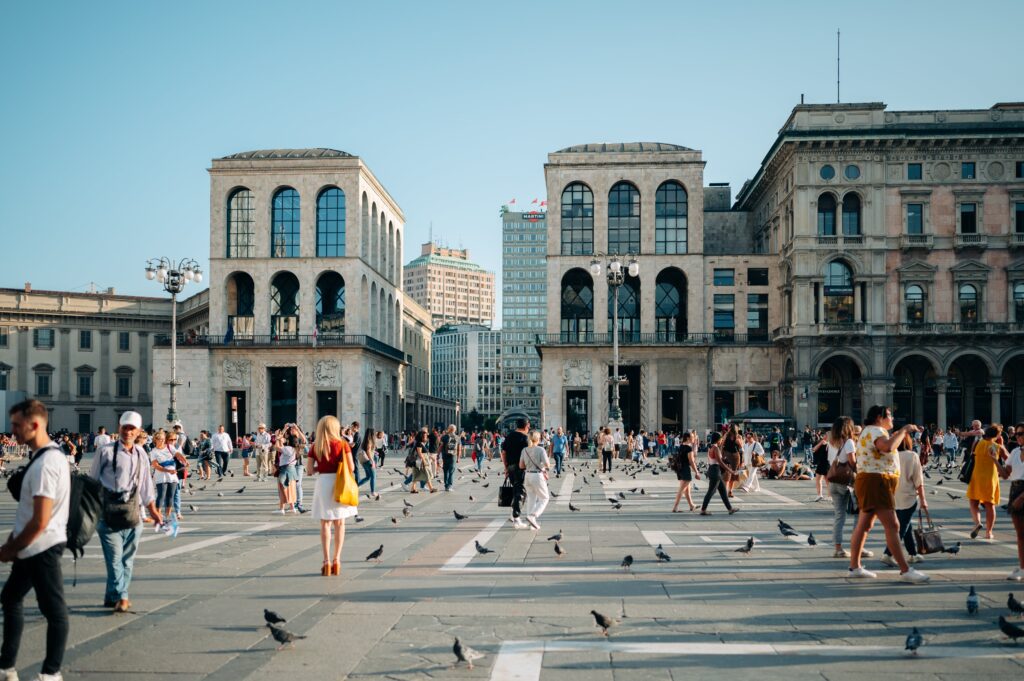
(506,493)
(122,510)
(346,492)
(852,507)
(967,469)
(928,540)
(841,473)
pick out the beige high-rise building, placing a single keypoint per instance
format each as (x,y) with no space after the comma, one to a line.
(449,286)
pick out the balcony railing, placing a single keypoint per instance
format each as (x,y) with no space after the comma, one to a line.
(691,339)
(837,240)
(242,325)
(961,328)
(833,328)
(910,242)
(326,340)
(1017,240)
(970,241)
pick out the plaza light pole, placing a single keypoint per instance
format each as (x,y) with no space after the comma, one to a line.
(173,278)
(616,277)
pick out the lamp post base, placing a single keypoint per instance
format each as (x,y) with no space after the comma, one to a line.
(615,423)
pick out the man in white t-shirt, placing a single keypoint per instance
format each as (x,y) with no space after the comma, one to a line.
(101,440)
(37,542)
(222,447)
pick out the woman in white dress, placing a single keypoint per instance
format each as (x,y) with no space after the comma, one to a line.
(330,450)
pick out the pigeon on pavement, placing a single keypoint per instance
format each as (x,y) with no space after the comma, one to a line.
(914,641)
(603,621)
(787,531)
(954,497)
(954,549)
(1015,606)
(194,509)
(394,520)
(661,555)
(465,654)
(407,504)
(272,617)
(377,553)
(627,562)
(240,489)
(481,549)
(559,550)
(220,494)
(746,548)
(283,636)
(1010,629)
(785,525)
(459,516)
(811,541)
(621,495)
(406,512)
(556,537)
(572,508)
(972,602)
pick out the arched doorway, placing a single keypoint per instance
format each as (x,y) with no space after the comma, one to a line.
(1012,403)
(914,398)
(840,392)
(968,396)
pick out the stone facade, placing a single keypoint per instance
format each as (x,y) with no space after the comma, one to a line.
(450,286)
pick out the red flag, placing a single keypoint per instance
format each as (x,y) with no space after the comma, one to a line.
(534,201)
(543,203)
(512,202)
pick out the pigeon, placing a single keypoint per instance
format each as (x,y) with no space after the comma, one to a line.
(1010,629)
(661,555)
(459,516)
(811,541)
(787,531)
(572,508)
(360,518)
(485,486)
(972,602)
(481,549)
(559,551)
(585,481)
(377,553)
(914,641)
(283,636)
(642,491)
(220,494)
(954,549)
(471,498)
(553,494)
(785,526)
(194,509)
(465,654)
(406,512)
(938,483)
(240,489)
(633,491)
(627,562)
(621,495)
(746,548)
(407,504)
(202,489)
(617,506)
(1015,606)
(954,497)
(556,537)
(604,622)
(394,520)
(272,617)
(577,491)
(611,479)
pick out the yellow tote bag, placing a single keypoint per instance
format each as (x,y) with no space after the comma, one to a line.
(346,491)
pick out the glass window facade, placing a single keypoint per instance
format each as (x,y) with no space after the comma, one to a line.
(623,219)
(42,338)
(724,314)
(124,385)
(85,340)
(670,305)
(43,383)
(241,225)
(826,215)
(913,171)
(757,276)
(1018,304)
(330,223)
(757,315)
(124,341)
(851,215)
(838,294)
(670,213)
(914,300)
(969,304)
(330,303)
(524,307)
(915,218)
(85,385)
(1018,217)
(577,304)
(284,224)
(967,170)
(577,220)
(629,309)
(724,277)
(968,218)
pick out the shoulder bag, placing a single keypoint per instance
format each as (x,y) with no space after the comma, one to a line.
(928,540)
(346,492)
(841,473)
(122,510)
(967,469)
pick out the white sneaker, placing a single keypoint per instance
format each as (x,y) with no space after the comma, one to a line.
(867,554)
(820,498)
(533,522)
(861,573)
(914,577)
(1016,576)
(841,553)
(889,561)
(518,524)
(279,511)
(917,558)
(49,677)
(9,674)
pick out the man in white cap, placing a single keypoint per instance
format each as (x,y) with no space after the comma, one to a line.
(123,470)
(262,444)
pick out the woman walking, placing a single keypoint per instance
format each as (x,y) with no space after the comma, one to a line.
(381,442)
(161,459)
(819,456)
(1014,472)
(983,489)
(732,456)
(840,446)
(909,493)
(606,443)
(715,469)
(421,464)
(330,451)
(366,453)
(685,465)
(285,465)
(878,471)
(534,460)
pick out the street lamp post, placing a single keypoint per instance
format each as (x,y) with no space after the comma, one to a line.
(173,278)
(616,276)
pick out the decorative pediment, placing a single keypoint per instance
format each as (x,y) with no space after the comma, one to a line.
(43,367)
(971,270)
(85,369)
(916,270)
(1016,270)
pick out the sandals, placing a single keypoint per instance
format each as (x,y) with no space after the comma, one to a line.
(336,567)
(326,569)
(975,532)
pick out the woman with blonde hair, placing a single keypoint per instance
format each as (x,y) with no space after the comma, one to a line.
(330,450)
(534,460)
(983,489)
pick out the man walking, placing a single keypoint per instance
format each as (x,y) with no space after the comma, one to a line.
(123,470)
(511,451)
(559,444)
(262,444)
(101,440)
(222,447)
(451,451)
(36,543)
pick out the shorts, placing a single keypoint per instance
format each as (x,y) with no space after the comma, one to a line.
(246,453)
(684,474)
(876,491)
(1016,489)
(165,494)
(286,475)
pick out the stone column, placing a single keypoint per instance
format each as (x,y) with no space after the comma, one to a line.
(858,301)
(64,393)
(145,367)
(104,365)
(806,411)
(996,389)
(24,339)
(821,305)
(941,384)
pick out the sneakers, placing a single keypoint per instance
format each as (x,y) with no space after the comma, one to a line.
(9,674)
(917,558)
(820,498)
(533,522)
(518,524)
(733,510)
(867,554)
(841,553)
(46,677)
(1016,576)
(914,577)
(889,561)
(279,511)
(861,573)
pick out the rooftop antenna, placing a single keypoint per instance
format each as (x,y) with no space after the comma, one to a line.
(431,231)
(837,67)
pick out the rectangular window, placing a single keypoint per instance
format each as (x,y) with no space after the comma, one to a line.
(913,171)
(757,399)
(1018,222)
(43,384)
(725,277)
(3,378)
(725,406)
(1019,174)
(3,337)
(968,218)
(915,218)
(757,276)
(967,170)
(85,385)
(757,315)
(124,341)
(85,340)
(84,422)
(724,313)
(42,338)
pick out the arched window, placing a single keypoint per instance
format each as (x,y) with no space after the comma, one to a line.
(970,310)
(826,215)
(382,259)
(629,309)
(577,220)
(284,225)
(913,297)
(838,293)
(389,266)
(1018,304)
(623,219)
(670,305)
(851,215)
(577,305)
(364,228)
(241,225)
(330,223)
(330,303)
(374,312)
(374,243)
(241,303)
(284,305)
(670,205)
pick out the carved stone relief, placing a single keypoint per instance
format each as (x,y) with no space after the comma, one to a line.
(326,373)
(236,373)
(577,372)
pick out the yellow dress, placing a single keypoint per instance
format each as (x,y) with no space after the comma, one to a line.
(984,485)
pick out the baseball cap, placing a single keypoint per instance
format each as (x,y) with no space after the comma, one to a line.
(177,424)
(131,418)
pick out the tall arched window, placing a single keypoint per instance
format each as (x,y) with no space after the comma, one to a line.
(670,206)
(913,297)
(577,220)
(364,228)
(241,226)
(284,305)
(241,302)
(1018,304)
(851,215)
(826,215)
(382,261)
(330,223)
(839,293)
(629,309)
(284,225)
(970,308)
(623,219)
(389,265)
(330,303)
(374,237)
(670,305)
(577,305)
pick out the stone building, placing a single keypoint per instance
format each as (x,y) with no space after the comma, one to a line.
(421,408)
(466,367)
(450,286)
(305,304)
(523,308)
(898,238)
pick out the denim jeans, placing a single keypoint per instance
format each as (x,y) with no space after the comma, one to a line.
(448,468)
(41,572)
(840,499)
(119,548)
(370,474)
(906,518)
(559,458)
(222,462)
(299,472)
(480,456)
(177,498)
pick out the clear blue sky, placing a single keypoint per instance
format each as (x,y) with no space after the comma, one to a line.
(111,111)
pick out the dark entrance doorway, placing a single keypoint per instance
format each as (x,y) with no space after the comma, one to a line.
(577,413)
(326,403)
(229,426)
(283,395)
(672,411)
(629,397)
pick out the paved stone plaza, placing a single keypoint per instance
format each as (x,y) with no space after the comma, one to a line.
(784,611)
